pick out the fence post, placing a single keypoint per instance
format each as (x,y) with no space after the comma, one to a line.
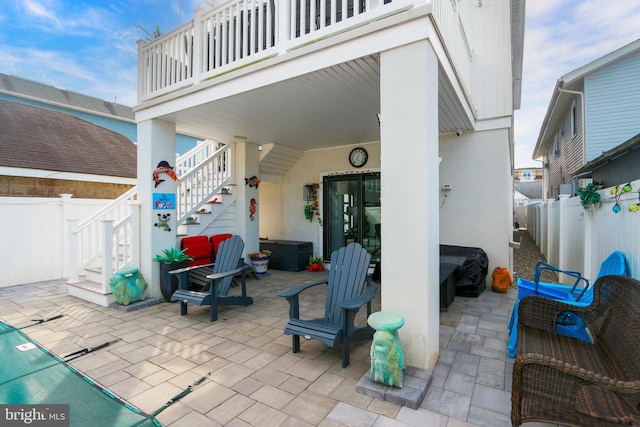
(562,235)
(65,199)
(107,253)
(588,244)
(74,250)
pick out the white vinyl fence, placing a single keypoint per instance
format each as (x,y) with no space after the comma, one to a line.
(574,238)
(34,236)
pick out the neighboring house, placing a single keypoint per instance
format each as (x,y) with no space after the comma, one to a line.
(110,115)
(45,153)
(527,187)
(593,109)
(427,88)
(615,166)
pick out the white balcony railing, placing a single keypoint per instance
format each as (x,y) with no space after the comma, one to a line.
(242,32)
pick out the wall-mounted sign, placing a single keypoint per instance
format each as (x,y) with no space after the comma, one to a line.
(164,201)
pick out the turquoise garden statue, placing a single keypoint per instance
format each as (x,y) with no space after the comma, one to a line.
(128,286)
(387,359)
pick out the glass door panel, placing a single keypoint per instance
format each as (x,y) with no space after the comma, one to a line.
(351,212)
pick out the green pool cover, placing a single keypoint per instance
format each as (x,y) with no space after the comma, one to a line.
(34,376)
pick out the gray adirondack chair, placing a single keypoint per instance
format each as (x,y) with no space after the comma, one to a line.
(219,276)
(346,294)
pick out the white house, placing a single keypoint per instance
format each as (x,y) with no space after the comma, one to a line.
(427,88)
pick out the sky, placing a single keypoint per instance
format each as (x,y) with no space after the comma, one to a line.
(89,46)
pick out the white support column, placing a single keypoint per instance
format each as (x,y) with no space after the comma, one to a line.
(156,142)
(247,165)
(410,181)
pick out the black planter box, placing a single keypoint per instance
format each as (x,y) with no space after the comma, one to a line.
(288,255)
(169,282)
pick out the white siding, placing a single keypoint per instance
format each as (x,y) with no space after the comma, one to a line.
(612,105)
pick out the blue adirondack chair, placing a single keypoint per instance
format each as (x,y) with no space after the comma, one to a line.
(346,294)
(567,323)
(217,278)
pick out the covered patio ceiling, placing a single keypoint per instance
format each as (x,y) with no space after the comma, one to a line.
(326,108)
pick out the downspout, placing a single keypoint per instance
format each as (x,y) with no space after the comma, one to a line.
(584,133)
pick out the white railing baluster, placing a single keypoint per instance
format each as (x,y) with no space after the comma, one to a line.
(240,32)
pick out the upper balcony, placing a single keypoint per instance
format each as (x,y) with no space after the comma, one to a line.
(240,33)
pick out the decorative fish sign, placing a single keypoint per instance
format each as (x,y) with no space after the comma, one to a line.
(164,167)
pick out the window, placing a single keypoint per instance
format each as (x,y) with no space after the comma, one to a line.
(556,146)
(574,118)
(526,176)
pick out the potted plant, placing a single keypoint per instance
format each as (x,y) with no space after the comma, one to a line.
(260,260)
(316,263)
(170,259)
(589,195)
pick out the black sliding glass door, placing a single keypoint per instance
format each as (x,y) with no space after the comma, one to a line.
(352,212)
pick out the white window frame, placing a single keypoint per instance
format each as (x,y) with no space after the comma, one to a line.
(574,116)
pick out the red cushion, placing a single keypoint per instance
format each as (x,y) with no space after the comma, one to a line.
(198,248)
(216,239)
(193,240)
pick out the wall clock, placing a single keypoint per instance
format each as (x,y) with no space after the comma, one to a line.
(358,157)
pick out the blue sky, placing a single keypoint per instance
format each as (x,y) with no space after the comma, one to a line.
(86,46)
(89,46)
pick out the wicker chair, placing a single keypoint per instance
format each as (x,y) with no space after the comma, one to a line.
(566,381)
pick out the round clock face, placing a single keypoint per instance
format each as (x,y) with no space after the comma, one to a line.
(358,157)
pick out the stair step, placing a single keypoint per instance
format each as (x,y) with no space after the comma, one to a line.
(91,291)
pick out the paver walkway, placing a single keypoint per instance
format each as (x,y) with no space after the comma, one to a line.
(254,378)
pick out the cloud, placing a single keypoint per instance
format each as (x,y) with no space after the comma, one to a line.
(560,37)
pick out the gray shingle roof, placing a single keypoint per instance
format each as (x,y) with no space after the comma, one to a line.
(532,190)
(39,138)
(20,86)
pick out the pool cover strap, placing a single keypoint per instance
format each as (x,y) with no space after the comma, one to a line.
(31,375)
(88,350)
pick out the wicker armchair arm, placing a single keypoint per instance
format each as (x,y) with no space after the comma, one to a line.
(542,313)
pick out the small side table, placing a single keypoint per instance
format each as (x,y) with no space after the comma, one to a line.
(387,359)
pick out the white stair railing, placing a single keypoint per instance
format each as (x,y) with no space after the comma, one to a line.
(87,238)
(203,182)
(195,156)
(109,240)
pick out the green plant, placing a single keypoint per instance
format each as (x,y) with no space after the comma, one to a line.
(261,254)
(312,207)
(172,255)
(316,260)
(589,195)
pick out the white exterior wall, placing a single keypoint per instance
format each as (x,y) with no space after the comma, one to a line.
(492,92)
(282,206)
(477,211)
